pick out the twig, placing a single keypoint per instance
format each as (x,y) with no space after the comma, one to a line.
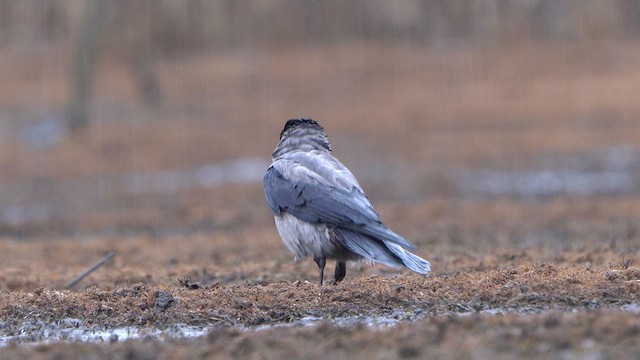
(84,274)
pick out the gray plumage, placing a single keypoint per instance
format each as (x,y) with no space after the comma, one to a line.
(320,209)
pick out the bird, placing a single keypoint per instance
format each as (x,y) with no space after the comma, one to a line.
(320,209)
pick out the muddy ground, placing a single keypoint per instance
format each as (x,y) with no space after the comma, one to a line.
(515,172)
(525,302)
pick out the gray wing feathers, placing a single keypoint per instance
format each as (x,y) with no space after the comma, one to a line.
(319,203)
(277,190)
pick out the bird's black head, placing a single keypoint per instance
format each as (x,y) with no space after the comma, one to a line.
(302,135)
(295,123)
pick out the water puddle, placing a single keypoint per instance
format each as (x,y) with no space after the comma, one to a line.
(73,330)
(614,171)
(534,184)
(375,322)
(634,308)
(241,171)
(45,200)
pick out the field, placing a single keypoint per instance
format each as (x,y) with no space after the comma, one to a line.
(515,171)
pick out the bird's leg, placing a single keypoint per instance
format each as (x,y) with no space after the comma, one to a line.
(341,271)
(321,263)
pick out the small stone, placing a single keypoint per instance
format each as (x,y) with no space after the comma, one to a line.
(613,275)
(164,300)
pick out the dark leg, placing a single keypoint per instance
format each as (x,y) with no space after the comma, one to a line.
(321,263)
(341,271)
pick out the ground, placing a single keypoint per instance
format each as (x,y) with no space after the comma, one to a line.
(515,172)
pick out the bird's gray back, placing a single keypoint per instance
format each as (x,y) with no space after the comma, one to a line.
(317,188)
(318,166)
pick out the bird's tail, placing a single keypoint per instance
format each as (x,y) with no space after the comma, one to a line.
(367,247)
(384,252)
(410,260)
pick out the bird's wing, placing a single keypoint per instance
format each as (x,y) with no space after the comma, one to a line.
(307,187)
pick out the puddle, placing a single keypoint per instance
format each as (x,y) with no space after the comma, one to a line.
(375,322)
(45,133)
(44,200)
(614,171)
(241,171)
(533,184)
(634,308)
(72,330)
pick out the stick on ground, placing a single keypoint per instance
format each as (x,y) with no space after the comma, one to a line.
(84,274)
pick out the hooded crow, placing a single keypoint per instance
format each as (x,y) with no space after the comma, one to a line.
(320,209)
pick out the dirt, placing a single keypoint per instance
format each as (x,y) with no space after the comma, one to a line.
(516,274)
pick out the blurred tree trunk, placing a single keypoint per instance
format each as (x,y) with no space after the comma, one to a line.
(631,16)
(146,77)
(84,66)
(139,47)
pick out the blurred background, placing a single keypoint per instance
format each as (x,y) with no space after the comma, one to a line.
(514,121)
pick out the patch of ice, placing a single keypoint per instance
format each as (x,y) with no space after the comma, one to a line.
(375,322)
(72,330)
(532,184)
(634,308)
(16,215)
(614,171)
(45,133)
(241,171)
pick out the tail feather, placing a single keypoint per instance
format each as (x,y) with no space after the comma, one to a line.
(384,252)
(367,247)
(412,261)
